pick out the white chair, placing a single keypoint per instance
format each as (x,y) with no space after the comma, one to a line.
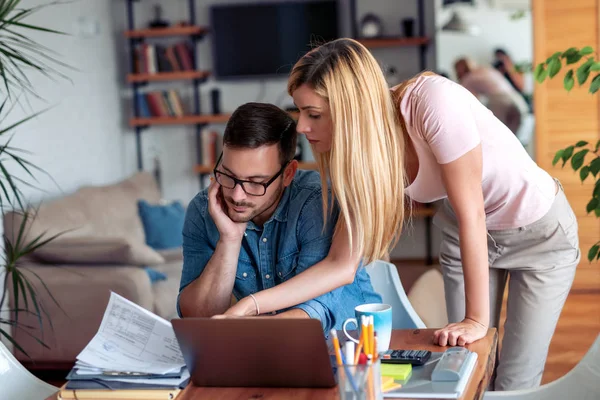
(386,282)
(18,383)
(581,383)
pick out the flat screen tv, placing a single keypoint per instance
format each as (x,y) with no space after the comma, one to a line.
(266,39)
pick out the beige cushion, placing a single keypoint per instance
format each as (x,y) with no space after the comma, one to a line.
(94,250)
(427,298)
(95,211)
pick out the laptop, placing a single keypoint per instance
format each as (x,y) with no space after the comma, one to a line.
(255,352)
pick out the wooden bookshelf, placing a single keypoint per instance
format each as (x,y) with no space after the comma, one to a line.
(167,76)
(203,169)
(169,31)
(394,42)
(185,120)
(188,120)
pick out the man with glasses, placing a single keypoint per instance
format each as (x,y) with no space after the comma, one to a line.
(259,224)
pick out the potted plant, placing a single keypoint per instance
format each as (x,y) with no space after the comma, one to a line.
(583,157)
(19,56)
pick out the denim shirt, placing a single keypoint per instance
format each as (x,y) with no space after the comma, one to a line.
(291,241)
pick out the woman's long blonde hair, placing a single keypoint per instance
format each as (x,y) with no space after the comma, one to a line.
(366,162)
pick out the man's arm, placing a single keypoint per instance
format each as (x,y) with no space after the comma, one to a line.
(210,293)
(206,286)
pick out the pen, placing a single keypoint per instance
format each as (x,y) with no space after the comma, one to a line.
(349,351)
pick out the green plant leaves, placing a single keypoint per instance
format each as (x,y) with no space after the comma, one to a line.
(595,85)
(595,166)
(592,205)
(586,50)
(577,160)
(593,252)
(554,67)
(540,73)
(583,72)
(569,81)
(567,153)
(557,156)
(584,173)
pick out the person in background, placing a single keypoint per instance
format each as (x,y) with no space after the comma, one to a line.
(504,64)
(494,91)
(259,224)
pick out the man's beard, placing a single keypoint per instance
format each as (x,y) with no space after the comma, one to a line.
(252,212)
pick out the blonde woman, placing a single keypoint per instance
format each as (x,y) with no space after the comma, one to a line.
(431,139)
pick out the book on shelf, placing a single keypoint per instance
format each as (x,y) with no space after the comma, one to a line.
(212,143)
(166,103)
(155,58)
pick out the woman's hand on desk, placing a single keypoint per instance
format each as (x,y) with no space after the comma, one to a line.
(243,308)
(460,334)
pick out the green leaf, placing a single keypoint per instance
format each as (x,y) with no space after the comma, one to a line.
(554,67)
(595,166)
(592,205)
(583,173)
(557,156)
(570,51)
(597,212)
(13,342)
(583,72)
(597,146)
(573,58)
(595,66)
(577,160)
(586,50)
(593,252)
(540,73)
(595,85)
(581,143)
(596,192)
(569,81)
(553,57)
(567,154)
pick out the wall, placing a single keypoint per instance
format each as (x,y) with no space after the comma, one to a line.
(496,30)
(79,139)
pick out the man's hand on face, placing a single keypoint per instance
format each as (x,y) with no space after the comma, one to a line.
(230,231)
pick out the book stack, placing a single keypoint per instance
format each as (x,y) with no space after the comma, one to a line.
(134,355)
(154,58)
(166,103)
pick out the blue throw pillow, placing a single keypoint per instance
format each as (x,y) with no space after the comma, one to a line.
(162,224)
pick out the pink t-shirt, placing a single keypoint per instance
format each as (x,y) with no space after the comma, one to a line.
(445,121)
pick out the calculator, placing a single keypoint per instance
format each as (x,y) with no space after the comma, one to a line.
(414,357)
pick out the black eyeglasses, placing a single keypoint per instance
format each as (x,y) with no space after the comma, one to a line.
(249,187)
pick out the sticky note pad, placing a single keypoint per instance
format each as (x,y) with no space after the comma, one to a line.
(399,372)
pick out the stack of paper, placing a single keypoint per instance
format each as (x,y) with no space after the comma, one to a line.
(133,349)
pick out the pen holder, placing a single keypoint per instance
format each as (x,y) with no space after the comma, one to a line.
(360,382)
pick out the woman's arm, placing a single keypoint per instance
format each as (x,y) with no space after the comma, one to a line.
(462,180)
(336,269)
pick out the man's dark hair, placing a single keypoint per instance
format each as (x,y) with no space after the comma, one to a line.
(254,125)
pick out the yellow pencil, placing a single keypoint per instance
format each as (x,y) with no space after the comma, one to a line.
(371,336)
(365,333)
(336,346)
(359,348)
